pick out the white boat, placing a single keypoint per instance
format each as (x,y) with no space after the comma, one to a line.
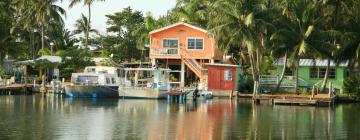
(95,81)
(144,83)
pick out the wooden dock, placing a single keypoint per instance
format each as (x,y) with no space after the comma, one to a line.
(16,88)
(289,99)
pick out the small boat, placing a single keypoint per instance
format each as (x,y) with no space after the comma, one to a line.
(95,81)
(207,94)
(144,83)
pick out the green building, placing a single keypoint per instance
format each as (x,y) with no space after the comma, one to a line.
(312,72)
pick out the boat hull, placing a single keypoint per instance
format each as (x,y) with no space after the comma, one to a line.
(141,93)
(91,91)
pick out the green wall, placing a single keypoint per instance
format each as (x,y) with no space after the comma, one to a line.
(304,73)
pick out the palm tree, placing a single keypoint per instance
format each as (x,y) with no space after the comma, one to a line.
(243,23)
(39,13)
(194,11)
(87,3)
(350,48)
(82,26)
(300,33)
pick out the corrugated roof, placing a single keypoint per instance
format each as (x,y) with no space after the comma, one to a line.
(310,62)
(52,59)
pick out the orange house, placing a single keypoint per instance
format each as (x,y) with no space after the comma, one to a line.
(184,49)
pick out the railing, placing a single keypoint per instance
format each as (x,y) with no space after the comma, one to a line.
(288,81)
(165,51)
(192,63)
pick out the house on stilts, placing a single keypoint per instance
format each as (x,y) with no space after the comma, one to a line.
(185,49)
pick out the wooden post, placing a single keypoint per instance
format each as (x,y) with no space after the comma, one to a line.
(330,89)
(232,94)
(182,74)
(313,92)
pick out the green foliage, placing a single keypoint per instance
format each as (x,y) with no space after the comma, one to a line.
(75,60)
(42,64)
(304,91)
(352,85)
(4,75)
(172,78)
(246,84)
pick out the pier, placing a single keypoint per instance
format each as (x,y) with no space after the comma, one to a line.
(288,99)
(9,89)
(176,96)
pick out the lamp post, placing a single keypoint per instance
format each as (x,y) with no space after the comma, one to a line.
(51,47)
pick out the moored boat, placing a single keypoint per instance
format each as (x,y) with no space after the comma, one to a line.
(144,83)
(94,82)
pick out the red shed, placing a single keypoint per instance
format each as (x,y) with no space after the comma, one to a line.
(221,78)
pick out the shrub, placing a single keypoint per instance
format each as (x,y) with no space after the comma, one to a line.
(352,86)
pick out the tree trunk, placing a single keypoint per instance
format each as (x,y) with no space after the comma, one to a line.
(42,40)
(282,73)
(88,27)
(254,73)
(323,86)
(297,76)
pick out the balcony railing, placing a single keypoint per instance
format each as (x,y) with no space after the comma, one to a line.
(165,51)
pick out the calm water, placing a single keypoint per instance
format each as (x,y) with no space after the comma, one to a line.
(37,117)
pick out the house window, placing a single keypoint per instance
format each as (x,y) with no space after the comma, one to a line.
(170,43)
(107,80)
(195,44)
(227,75)
(320,73)
(113,80)
(288,72)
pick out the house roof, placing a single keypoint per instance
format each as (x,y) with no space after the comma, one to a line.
(177,24)
(310,62)
(52,59)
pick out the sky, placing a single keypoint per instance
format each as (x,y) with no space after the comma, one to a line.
(102,8)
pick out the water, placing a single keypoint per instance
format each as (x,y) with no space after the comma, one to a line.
(39,117)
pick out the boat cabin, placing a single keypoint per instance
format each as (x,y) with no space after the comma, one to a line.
(97,75)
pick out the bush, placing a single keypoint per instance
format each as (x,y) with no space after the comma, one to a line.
(352,86)
(246,84)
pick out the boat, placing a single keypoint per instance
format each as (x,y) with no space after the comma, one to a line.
(144,83)
(95,81)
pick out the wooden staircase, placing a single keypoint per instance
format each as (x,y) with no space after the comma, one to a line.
(192,64)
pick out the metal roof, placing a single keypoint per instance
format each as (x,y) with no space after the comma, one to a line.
(52,59)
(310,62)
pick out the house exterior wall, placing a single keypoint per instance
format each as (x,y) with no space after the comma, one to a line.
(304,73)
(182,33)
(216,80)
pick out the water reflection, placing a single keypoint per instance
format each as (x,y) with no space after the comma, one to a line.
(56,117)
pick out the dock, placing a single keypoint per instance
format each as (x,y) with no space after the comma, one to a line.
(289,99)
(23,88)
(176,96)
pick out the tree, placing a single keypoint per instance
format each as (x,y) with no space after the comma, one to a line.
(87,3)
(194,11)
(126,24)
(82,26)
(242,23)
(39,13)
(300,33)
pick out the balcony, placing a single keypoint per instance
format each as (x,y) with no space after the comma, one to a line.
(165,52)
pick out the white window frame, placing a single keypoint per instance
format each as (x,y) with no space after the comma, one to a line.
(228,76)
(187,43)
(170,39)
